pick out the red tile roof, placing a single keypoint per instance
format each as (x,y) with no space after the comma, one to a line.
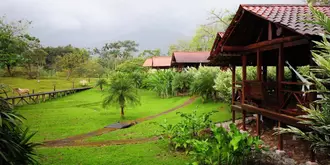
(289,16)
(191,57)
(221,34)
(147,62)
(158,61)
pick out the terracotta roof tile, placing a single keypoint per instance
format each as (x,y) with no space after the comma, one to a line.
(147,62)
(162,61)
(191,57)
(290,16)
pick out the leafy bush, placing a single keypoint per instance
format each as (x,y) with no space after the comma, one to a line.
(203,82)
(138,78)
(15,141)
(181,82)
(223,84)
(161,82)
(83,83)
(208,144)
(190,127)
(225,147)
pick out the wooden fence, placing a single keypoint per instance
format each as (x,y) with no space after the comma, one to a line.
(42,97)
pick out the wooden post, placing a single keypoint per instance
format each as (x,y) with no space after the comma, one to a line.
(280,138)
(243,88)
(264,73)
(312,156)
(280,74)
(259,78)
(270,31)
(233,82)
(259,64)
(54,87)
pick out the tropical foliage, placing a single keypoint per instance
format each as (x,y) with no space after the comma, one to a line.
(15,146)
(203,82)
(182,81)
(318,117)
(121,92)
(208,144)
(161,82)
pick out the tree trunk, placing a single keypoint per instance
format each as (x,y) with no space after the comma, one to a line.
(9,70)
(122,111)
(69,74)
(101,87)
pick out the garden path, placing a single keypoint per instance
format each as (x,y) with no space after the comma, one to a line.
(77,140)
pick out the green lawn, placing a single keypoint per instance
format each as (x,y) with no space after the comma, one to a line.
(155,153)
(151,127)
(44,85)
(82,113)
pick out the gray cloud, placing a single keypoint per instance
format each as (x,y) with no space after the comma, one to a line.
(90,23)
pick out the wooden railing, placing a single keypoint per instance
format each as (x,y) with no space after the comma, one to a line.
(42,96)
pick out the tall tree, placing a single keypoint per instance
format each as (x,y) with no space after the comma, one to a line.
(318,2)
(13,42)
(205,34)
(54,52)
(149,53)
(72,61)
(34,59)
(112,53)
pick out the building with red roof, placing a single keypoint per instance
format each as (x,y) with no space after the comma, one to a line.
(189,59)
(263,36)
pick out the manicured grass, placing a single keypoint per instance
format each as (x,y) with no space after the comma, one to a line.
(82,113)
(151,127)
(155,153)
(44,85)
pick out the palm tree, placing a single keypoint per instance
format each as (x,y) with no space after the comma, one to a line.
(121,92)
(101,83)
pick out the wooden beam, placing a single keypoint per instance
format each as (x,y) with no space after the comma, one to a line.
(280,75)
(233,78)
(270,31)
(253,47)
(244,61)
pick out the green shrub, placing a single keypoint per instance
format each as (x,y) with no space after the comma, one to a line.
(190,127)
(223,85)
(225,147)
(161,82)
(208,144)
(203,82)
(181,82)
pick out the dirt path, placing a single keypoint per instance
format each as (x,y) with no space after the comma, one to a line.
(77,140)
(103,143)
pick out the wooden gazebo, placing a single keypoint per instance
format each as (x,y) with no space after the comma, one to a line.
(264,36)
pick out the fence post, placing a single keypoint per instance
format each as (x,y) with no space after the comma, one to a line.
(54,87)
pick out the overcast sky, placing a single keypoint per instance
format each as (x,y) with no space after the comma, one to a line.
(90,23)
